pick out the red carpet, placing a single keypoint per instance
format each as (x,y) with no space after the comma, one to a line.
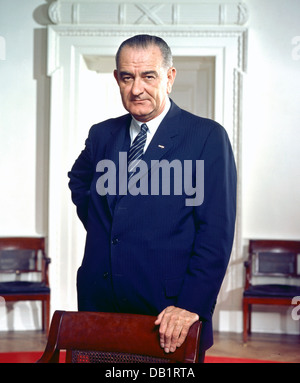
(221,359)
(19,357)
(31,357)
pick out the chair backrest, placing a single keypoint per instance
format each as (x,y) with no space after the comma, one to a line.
(274,258)
(93,337)
(22,255)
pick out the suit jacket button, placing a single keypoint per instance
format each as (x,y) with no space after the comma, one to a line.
(105,275)
(115,241)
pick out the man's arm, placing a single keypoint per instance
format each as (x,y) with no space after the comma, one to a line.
(215,222)
(81,176)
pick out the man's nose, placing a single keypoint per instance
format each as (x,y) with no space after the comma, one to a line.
(137,87)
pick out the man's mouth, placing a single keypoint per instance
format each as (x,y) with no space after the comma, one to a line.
(137,101)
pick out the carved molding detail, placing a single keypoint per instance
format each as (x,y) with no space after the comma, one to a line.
(169,14)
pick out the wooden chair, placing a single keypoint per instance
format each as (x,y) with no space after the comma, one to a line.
(96,337)
(279,260)
(20,256)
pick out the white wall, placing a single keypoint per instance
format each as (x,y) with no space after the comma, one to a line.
(270,136)
(24,91)
(22,122)
(271,123)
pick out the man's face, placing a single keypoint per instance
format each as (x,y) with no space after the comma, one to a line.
(144,82)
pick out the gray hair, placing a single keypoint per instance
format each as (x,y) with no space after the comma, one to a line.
(144,41)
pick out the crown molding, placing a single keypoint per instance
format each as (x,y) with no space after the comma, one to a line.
(132,13)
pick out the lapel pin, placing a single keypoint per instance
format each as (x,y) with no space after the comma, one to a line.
(161,146)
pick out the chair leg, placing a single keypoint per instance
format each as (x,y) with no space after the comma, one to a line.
(47,319)
(245,321)
(249,318)
(43,314)
(46,314)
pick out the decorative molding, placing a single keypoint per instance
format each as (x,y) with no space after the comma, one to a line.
(102,31)
(129,13)
(54,12)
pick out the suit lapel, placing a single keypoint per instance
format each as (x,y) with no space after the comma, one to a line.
(118,142)
(163,140)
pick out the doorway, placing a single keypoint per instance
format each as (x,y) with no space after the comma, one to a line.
(99,97)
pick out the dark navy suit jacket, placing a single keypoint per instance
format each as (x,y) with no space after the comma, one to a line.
(146,252)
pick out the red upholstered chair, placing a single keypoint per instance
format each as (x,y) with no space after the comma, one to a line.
(93,337)
(20,256)
(279,262)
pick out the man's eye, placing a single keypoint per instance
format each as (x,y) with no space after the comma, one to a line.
(126,78)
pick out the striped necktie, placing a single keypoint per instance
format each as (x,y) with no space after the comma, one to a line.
(136,150)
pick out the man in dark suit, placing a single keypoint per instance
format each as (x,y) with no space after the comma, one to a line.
(162,250)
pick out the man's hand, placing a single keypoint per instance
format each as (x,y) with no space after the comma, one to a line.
(174,326)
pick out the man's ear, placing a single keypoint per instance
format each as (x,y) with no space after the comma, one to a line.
(116,76)
(171,79)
